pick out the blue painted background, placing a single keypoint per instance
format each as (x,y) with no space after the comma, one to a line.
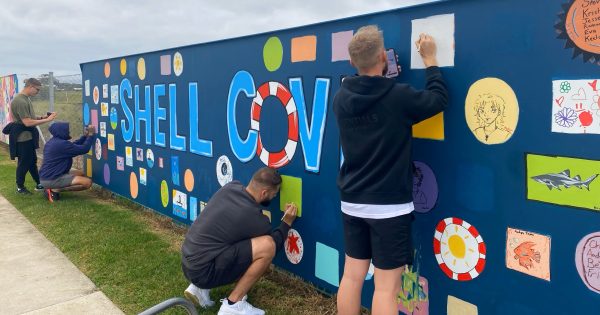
(484,185)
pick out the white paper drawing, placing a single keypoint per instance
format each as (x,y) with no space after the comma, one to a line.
(114,94)
(575,106)
(441,28)
(143,177)
(87,87)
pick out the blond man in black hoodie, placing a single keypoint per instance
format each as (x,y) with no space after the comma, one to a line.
(375,115)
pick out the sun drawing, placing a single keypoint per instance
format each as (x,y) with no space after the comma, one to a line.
(578,26)
(459,249)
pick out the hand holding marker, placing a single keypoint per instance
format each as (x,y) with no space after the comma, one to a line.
(291,210)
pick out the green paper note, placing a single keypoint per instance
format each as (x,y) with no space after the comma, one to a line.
(291,191)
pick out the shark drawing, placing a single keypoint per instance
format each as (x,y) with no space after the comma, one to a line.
(563,178)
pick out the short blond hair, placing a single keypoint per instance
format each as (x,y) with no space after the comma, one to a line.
(365,47)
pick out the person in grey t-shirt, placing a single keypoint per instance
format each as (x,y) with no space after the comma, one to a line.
(21,111)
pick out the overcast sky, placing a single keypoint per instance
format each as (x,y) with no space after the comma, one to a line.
(38,36)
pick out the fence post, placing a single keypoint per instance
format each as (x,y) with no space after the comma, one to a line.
(51,91)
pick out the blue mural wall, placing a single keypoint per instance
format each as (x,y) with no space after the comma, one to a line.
(507,205)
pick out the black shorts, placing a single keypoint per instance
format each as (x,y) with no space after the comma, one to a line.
(226,268)
(387,242)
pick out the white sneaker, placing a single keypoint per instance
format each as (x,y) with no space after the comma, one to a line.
(200,297)
(242,307)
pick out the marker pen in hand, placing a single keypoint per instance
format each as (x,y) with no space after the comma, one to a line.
(284,212)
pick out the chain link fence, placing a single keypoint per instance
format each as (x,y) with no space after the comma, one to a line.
(61,94)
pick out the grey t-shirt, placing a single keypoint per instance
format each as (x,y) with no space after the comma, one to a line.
(20,108)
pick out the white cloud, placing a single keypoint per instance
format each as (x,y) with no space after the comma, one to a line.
(42,36)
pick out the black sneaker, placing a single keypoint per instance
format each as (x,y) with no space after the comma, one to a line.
(23,191)
(52,196)
(39,187)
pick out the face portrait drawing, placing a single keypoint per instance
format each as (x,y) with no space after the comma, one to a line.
(489,111)
(419,197)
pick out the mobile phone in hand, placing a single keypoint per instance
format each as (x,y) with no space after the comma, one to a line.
(392,63)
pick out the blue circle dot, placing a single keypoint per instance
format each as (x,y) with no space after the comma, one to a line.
(86,114)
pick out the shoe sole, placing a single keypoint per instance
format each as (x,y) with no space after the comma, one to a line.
(188,295)
(227,312)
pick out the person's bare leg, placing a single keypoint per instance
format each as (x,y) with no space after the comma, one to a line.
(387,288)
(79,183)
(348,297)
(77,173)
(263,251)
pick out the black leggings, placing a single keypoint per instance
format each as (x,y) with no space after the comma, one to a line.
(26,162)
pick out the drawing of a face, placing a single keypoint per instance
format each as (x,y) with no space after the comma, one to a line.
(489,108)
(417,178)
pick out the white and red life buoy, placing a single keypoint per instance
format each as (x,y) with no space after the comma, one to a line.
(459,249)
(283,157)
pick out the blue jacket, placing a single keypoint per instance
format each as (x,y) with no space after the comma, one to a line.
(59,151)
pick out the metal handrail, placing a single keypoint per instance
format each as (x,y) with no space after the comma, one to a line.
(163,306)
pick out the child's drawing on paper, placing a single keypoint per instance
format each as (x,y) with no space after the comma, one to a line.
(575,106)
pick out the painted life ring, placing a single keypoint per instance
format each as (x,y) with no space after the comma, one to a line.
(459,249)
(283,157)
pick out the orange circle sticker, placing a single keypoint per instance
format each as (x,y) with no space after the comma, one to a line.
(107,69)
(96,95)
(133,185)
(188,179)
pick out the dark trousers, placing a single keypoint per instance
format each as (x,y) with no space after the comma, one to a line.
(26,162)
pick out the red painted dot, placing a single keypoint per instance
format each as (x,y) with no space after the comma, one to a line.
(586,118)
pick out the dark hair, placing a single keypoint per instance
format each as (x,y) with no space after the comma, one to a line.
(267,178)
(33,82)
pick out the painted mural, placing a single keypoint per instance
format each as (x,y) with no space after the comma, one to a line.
(9,87)
(518,146)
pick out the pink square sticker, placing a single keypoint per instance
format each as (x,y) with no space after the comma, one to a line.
(339,45)
(165,65)
(95,118)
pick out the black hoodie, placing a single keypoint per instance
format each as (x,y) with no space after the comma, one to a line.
(375,117)
(13,130)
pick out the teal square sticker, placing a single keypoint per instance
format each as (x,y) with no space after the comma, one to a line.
(327,266)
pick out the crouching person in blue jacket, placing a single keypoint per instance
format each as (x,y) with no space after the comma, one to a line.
(56,174)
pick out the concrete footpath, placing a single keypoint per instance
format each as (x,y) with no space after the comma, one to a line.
(37,278)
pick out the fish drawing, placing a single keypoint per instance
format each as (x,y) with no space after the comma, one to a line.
(525,254)
(563,178)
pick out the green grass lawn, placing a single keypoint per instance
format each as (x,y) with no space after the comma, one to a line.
(132,254)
